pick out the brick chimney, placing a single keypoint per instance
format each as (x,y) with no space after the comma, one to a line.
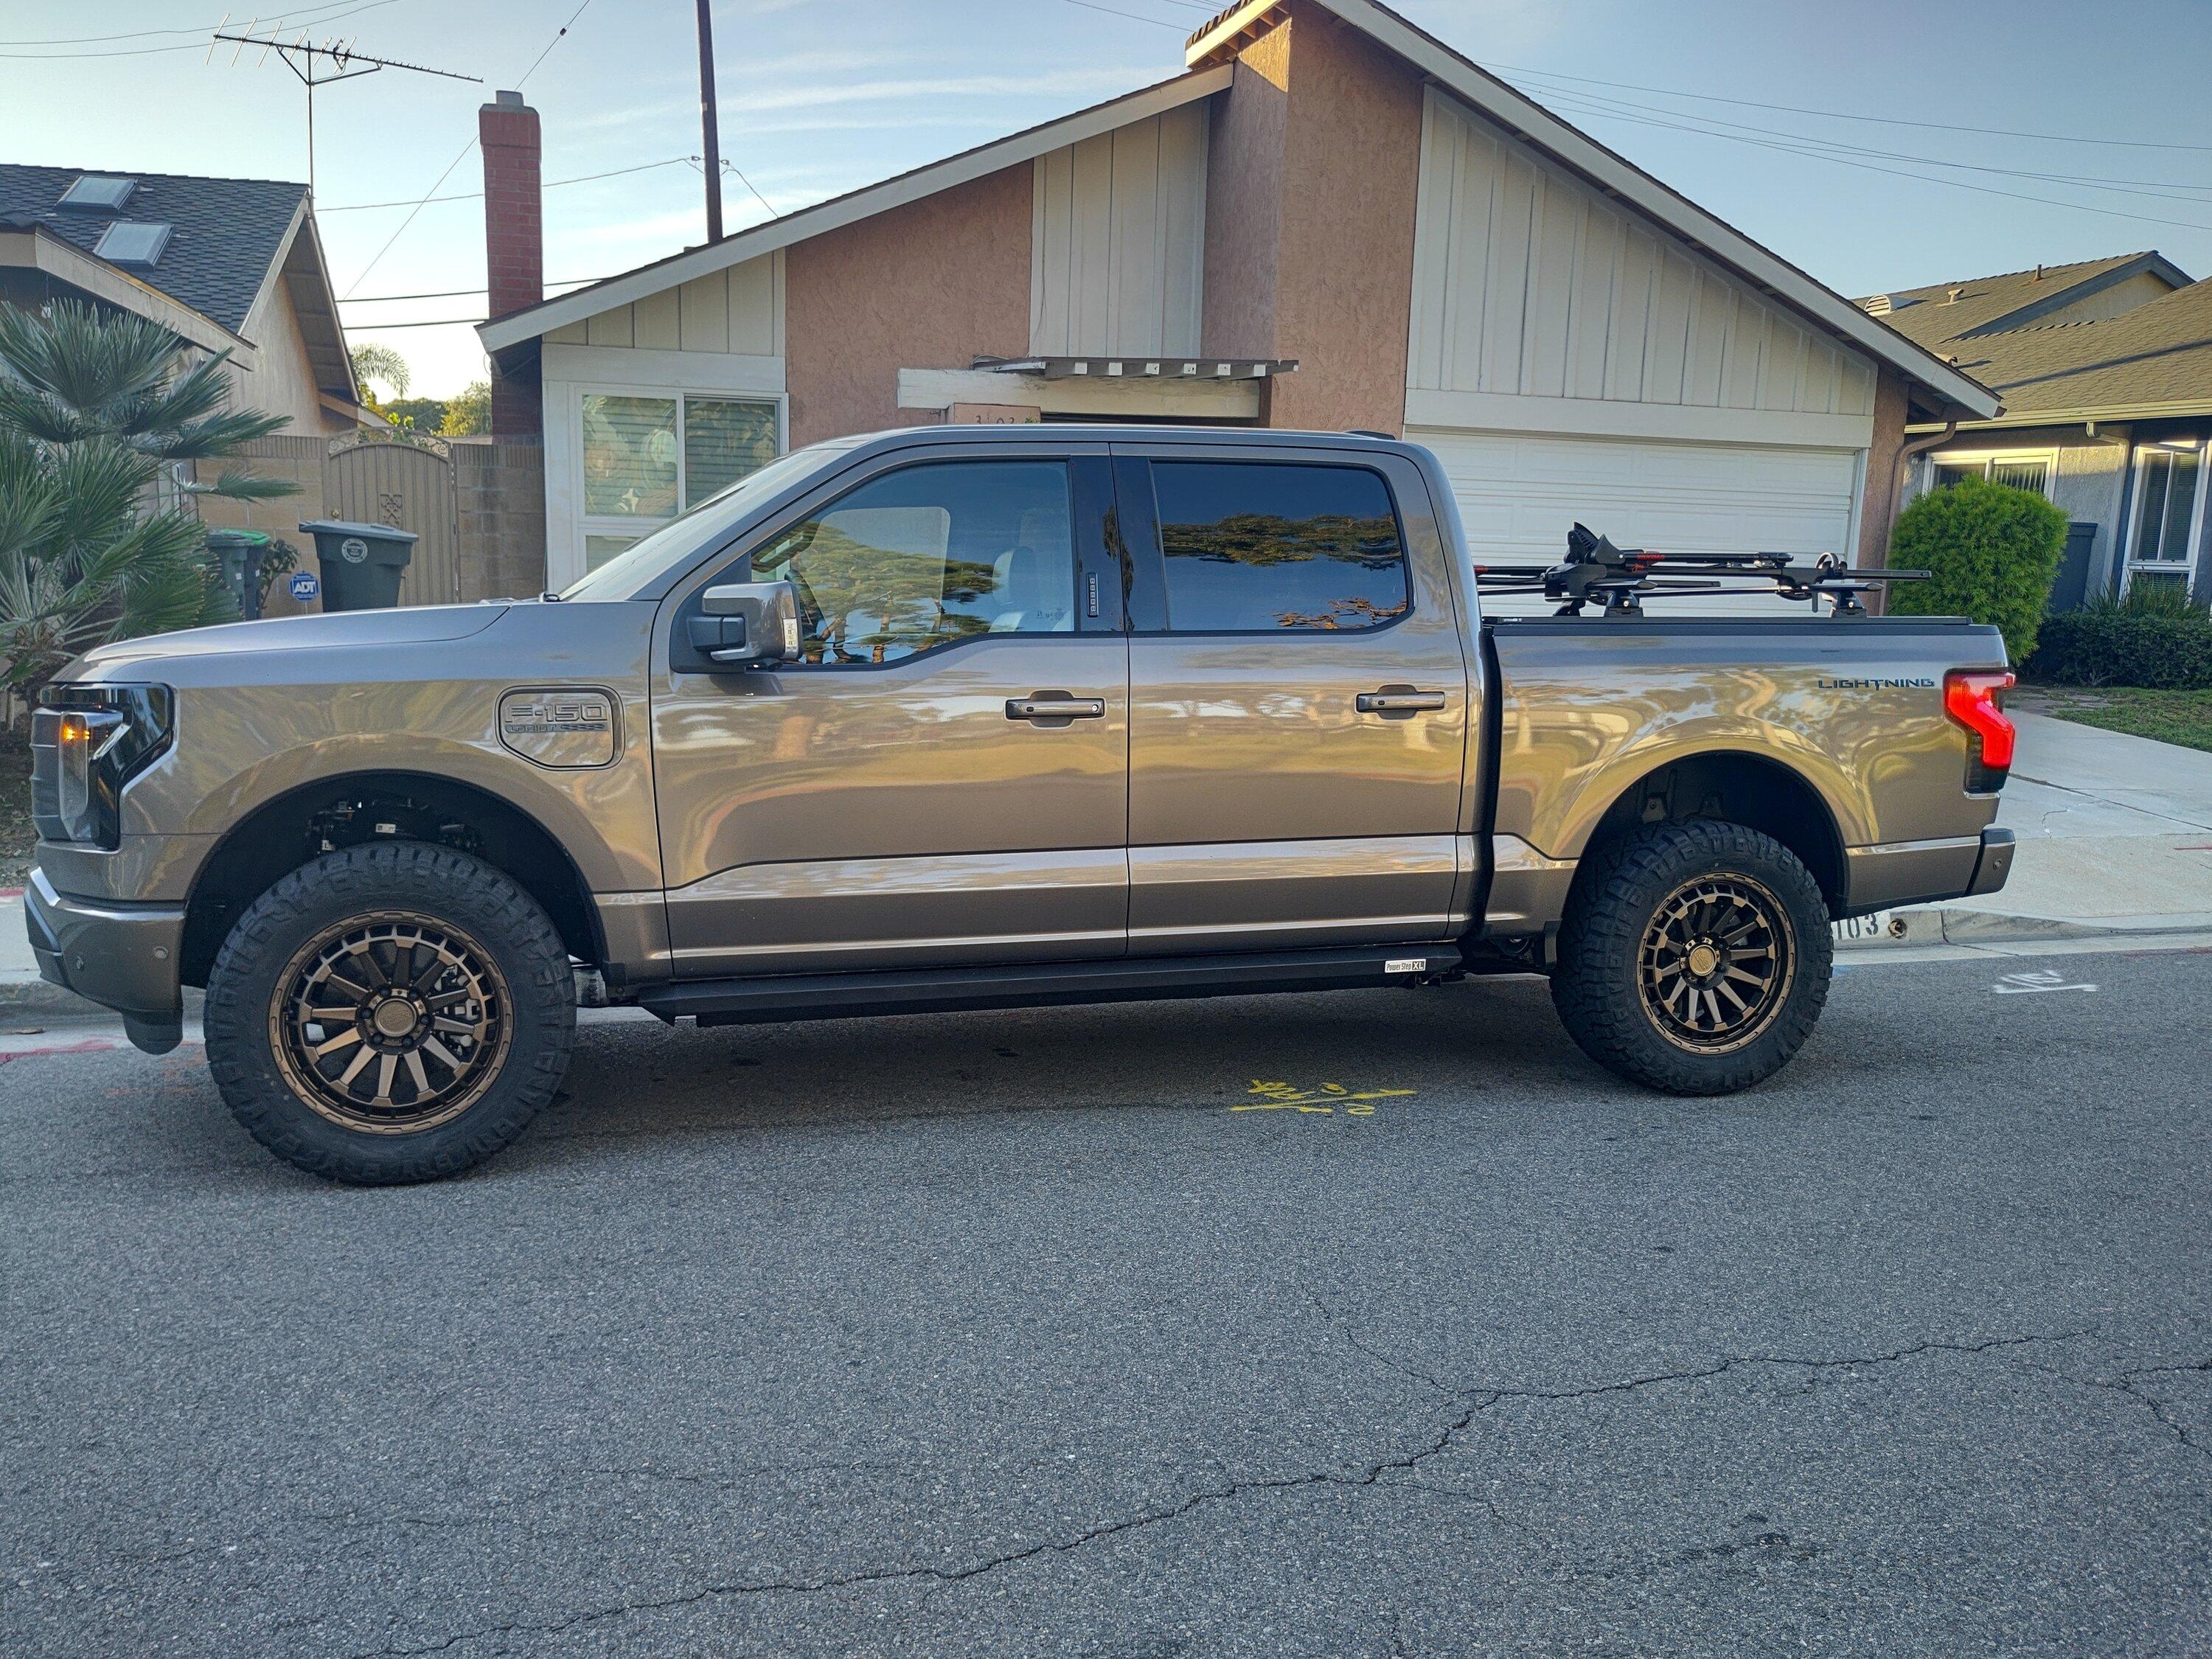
(514,251)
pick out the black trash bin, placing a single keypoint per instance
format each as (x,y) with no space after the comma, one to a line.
(362,563)
(240,553)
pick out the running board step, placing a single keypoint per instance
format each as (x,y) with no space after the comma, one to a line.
(1043,984)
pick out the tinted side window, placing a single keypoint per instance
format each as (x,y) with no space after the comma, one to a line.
(1257,546)
(928,556)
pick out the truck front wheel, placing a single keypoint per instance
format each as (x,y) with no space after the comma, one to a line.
(391,1012)
(1693,957)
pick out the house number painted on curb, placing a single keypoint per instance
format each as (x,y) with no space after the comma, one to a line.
(1325,1099)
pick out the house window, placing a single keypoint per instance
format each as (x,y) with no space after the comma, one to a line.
(2021,472)
(648,455)
(2168,514)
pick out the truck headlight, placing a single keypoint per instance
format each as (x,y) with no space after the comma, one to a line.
(86,742)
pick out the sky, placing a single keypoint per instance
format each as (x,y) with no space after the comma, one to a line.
(1886,144)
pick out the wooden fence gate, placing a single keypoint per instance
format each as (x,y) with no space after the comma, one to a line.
(408,486)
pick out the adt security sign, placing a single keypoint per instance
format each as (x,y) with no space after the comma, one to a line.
(304,585)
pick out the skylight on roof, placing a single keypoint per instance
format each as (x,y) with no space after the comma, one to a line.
(100,191)
(127,242)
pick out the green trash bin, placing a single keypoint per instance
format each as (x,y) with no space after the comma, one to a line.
(362,563)
(239,554)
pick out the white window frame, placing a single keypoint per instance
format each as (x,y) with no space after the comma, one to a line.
(1984,459)
(636,526)
(2185,565)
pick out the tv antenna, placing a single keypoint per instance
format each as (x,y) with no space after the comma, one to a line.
(302,56)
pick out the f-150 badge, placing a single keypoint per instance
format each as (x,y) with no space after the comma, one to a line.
(559,728)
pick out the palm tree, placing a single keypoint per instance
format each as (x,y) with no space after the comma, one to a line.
(372,361)
(92,406)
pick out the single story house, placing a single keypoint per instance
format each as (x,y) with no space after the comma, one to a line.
(228,265)
(1329,219)
(2106,370)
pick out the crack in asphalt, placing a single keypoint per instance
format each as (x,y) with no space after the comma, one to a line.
(2128,1383)
(1370,1476)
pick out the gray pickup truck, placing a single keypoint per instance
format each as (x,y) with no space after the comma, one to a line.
(967,717)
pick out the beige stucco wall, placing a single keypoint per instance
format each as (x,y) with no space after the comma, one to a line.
(930,284)
(1352,161)
(1245,156)
(282,381)
(1310,193)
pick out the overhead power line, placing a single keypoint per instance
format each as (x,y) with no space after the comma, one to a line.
(1849,115)
(1595,112)
(1138,17)
(308,15)
(316,16)
(477,195)
(559,35)
(2162,189)
(462,292)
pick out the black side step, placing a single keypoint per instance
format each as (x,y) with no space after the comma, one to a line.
(1043,984)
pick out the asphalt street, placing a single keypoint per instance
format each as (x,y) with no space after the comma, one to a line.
(1368,1323)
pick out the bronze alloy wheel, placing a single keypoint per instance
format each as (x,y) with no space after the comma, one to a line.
(1716,963)
(393,1023)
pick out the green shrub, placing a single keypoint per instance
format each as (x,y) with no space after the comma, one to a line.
(1993,551)
(2150,639)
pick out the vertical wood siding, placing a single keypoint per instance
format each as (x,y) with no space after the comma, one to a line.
(1117,243)
(1526,281)
(739,310)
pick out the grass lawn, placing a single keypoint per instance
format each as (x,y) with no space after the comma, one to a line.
(2181,717)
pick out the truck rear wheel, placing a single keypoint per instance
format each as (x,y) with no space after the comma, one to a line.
(392,1012)
(1693,957)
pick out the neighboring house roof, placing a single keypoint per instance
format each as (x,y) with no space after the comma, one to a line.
(1945,312)
(2153,359)
(230,242)
(1208,53)
(225,233)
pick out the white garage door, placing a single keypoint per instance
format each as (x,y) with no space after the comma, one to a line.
(1519,492)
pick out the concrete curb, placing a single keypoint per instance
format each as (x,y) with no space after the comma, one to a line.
(1951,925)
(27,993)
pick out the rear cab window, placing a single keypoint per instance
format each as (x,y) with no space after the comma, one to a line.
(1260,547)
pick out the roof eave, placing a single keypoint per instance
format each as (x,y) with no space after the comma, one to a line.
(2178,408)
(57,256)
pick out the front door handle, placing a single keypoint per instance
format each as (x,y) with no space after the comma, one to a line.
(1397,702)
(1054,708)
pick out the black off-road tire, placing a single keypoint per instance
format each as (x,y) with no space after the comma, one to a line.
(247,1000)
(1600,985)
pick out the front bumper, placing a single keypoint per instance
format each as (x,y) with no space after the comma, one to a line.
(124,957)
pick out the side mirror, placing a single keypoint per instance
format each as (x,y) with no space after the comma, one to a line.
(747,624)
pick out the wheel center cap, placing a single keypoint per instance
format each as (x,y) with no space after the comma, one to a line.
(1702,960)
(394,1019)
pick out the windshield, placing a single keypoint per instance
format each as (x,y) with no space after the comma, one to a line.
(692,529)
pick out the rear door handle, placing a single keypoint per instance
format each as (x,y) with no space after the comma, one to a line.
(1054,708)
(1397,700)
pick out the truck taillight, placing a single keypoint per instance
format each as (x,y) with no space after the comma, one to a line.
(1974,698)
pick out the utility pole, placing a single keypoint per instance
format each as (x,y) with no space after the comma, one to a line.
(346,64)
(708,128)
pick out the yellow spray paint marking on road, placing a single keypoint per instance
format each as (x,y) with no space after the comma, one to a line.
(1325,1099)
